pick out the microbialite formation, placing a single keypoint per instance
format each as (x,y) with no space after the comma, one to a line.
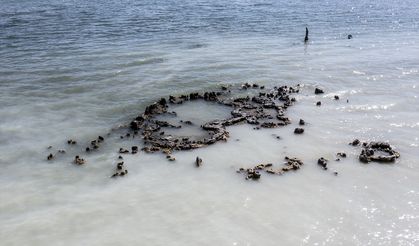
(248,104)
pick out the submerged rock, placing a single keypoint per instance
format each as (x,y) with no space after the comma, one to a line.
(134,149)
(356,142)
(322,162)
(123,151)
(341,154)
(78,160)
(318,91)
(198,161)
(370,152)
(298,130)
(71,141)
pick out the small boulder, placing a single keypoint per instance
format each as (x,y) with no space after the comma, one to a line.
(298,130)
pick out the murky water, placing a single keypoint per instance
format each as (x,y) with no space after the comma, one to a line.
(76,69)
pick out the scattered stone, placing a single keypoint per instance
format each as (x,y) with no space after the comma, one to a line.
(50,157)
(134,149)
(318,103)
(123,173)
(350,36)
(341,154)
(120,157)
(370,150)
(100,139)
(198,161)
(78,160)
(302,122)
(123,151)
(253,173)
(335,173)
(336,97)
(120,170)
(318,91)
(269,125)
(87,149)
(322,162)
(49,147)
(356,142)
(292,164)
(298,131)
(120,165)
(72,142)
(188,122)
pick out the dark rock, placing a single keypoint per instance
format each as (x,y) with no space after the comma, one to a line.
(298,130)
(123,151)
(350,36)
(318,103)
(336,97)
(72,142)
(292,164)
(301,122)
(120,165)
(79,161)
(198,161)
(356,142)
(134,149)
(322,162)
(318,91)
(341,154)
(269,125)
(368,153)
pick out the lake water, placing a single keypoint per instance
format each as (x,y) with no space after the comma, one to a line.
(76,69)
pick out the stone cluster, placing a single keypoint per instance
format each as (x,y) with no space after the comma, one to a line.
(254,172)
(265,108)
(370,152)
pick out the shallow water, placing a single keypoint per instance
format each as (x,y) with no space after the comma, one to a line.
(78,69)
